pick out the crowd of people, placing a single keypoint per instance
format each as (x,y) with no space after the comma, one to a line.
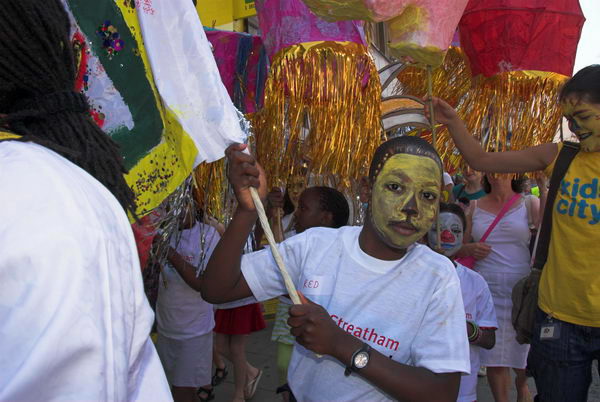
(407,306)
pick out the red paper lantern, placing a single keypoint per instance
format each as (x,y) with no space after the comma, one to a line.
(512,35)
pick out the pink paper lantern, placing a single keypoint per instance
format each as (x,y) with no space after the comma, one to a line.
(419,29)
(370,10)
(284,23)
(424,30)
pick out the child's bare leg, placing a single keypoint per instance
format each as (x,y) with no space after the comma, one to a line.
(237,350)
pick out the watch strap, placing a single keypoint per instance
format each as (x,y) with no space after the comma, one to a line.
(365,348)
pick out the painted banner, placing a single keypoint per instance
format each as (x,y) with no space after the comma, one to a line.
(153,85)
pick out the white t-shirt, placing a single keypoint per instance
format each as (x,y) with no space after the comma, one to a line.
(74,319)
(479,307)
(181,312)
(410,309)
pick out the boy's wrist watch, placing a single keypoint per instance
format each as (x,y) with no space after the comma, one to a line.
(359,360)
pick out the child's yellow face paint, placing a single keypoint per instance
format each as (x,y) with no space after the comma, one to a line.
(405,199)
(584,121)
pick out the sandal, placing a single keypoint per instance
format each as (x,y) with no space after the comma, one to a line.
(210,394)
(251,385)
(220,376)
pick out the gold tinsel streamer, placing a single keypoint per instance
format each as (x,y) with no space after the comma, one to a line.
(451,81)
(508,111)
(210,188)
(321,112)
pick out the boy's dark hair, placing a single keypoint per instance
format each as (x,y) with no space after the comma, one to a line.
(456,210)
(402,145)
(517,185)
(333,201)
(584,85)
(288,205)
(37,81)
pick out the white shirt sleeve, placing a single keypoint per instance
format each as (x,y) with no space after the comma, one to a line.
(261,271)
(448,179)
(486,313)
(441,343)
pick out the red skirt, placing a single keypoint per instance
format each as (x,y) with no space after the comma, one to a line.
(240,320)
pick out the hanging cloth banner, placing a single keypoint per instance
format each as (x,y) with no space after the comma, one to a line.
(242,62)
(187,77)
(167,115)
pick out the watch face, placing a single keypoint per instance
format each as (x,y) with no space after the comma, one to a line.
(361,360)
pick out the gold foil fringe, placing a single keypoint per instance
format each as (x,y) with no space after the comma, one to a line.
(210,188)
(508,111)
(321,112)
(451,81)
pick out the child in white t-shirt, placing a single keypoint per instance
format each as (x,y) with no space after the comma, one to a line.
(477,299)
(384,319)
(184,320)
(317,207)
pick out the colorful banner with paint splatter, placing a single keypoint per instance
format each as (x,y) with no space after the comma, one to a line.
(161,103)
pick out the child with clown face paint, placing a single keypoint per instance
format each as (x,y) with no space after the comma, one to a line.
(385,314)
(477,299)
(569,288)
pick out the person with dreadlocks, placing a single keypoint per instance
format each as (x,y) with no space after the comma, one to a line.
(74,319)
(384,313)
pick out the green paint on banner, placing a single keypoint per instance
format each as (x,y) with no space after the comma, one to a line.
(114,45)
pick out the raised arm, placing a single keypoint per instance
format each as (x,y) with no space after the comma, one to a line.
(527,160)
(223,280)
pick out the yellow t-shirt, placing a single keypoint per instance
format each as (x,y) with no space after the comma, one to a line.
(570,283)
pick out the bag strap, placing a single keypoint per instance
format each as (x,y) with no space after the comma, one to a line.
(502,212)
(563,160)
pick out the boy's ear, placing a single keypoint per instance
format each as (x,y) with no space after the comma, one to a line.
(328,219)
(365,189)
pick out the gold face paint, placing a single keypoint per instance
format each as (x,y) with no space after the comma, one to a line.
(584,121)
(405,199)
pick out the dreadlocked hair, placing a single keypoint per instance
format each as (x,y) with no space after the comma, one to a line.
(333,201)
(37,81)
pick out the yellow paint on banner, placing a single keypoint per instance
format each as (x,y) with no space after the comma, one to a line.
(177,149)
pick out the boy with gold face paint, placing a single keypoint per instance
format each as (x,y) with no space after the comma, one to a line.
(569,292)
(405,199)
(381,309)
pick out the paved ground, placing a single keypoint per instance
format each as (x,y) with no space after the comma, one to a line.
(261,354)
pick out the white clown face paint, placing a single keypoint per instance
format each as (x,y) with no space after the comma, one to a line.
(451,236)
